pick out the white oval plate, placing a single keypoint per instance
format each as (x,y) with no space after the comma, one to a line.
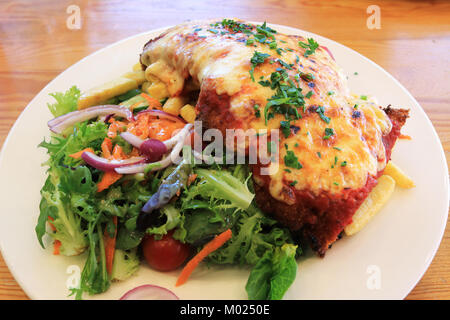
(383,261)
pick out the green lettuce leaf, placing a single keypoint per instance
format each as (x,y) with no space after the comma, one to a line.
(272,276)
(65,102)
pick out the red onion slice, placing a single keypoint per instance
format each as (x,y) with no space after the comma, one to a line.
(108,165)
(149,292)
(135,141)
(329,52)
(59,124)
(181,135)
(161,114)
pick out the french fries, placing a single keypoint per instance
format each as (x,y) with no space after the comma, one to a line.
(138,76)
(188,113)
(401,179)
(106,91)
(372,205)
(173,105)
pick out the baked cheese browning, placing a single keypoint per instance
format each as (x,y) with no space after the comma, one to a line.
(220,60)
(321,218)
(332,146)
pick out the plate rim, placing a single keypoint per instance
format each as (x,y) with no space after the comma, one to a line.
(423,114)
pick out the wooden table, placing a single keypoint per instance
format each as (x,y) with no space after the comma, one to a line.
(413,44)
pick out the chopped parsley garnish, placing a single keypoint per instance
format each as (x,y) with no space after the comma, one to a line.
(293,183)
(356,73)
(343,163)
(319,155)
(335,183)
(321,111)
(257,59)
(249,42)
(310,46)
(339,149)
(290,160)
(363,97)
(355,106)
(335,160)
(306,76)
(267,31)
(236,26)
(271,146)
(329,132)
(286,128)
(257,111)
(330,93)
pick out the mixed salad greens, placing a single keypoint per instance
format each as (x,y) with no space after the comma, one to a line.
(189,203)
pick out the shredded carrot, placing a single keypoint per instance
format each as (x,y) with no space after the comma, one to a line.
(107,148)
(191,178)
(152,102)
(77,155)
(405,137)
(51,224)
(110,247)
(114,127)
(163,129)
(108,178)
(134,152)
(118,153)
(210,247)
(56,246)
(134,105)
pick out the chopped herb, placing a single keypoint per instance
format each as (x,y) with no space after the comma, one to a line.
(271,146)
(291,160)
(257,59)
(293,183)
(356,73)
(319,155)
(249,41)
(343,163)
(321,111)
(309,94)
(330,93)
(329,132)
(335,183)
(355,106)
(257,111)
(335,160)
(363,97)
(339,149)
(286,128)
(310,46)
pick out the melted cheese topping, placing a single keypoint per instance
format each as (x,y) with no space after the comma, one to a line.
(197,51)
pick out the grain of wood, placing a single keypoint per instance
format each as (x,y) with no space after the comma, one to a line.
(412,44)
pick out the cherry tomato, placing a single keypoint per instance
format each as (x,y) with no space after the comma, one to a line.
(166,254)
